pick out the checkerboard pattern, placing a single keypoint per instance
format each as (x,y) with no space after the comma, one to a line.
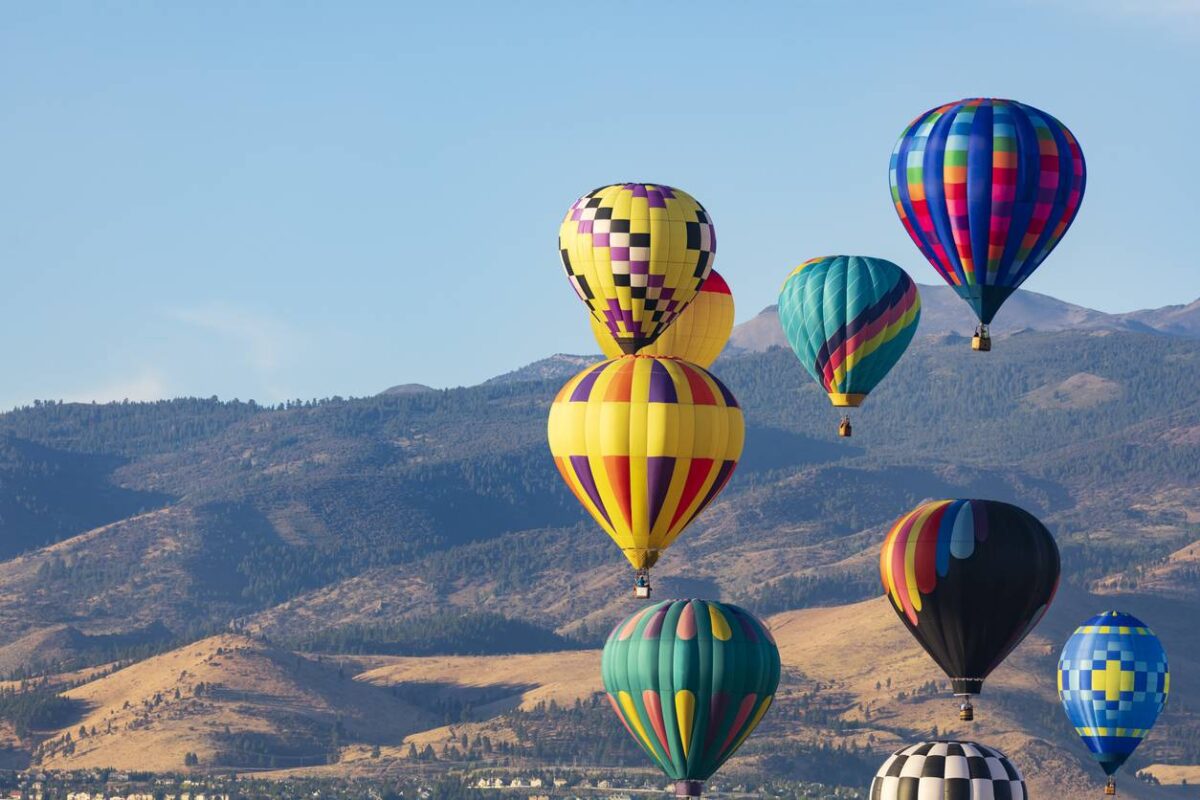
(636,254)
(946,770)
(698,334)
(1113,680)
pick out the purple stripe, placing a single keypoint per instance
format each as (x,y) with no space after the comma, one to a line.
(662,388)
(717,707)
(583,389)
(979,515)
(730,400)
(659,470)
(717,485)
(654,627)
(748,626)
(583,473)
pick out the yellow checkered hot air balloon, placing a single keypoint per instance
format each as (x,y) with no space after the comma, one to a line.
(645,443)
(636,254)
(697,335)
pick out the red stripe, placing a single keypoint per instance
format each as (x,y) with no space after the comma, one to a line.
(701,394)
(698,472)
(620,389)
(742,715)
(654,711)
(926,555)
(617,468)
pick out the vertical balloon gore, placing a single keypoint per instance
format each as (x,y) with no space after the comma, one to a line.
(636,254)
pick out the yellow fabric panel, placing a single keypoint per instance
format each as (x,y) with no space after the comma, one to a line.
(885,562)
(631,713)
(568,429)
(720,626)
(685,715)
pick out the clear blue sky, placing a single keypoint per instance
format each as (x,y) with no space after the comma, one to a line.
(278,200)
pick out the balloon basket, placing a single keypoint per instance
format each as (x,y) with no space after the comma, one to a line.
(641,584)
(844,428)
(1110,788)
(966,711)
(981,342)
(688,788)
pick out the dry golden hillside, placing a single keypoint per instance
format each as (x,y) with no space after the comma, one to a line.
(861,663)
(198,698)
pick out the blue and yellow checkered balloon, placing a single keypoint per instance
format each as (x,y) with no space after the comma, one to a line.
(1113,681)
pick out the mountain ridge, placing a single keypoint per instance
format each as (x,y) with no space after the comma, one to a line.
(944,313)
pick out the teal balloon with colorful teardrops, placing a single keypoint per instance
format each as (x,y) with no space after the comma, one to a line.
(690,680)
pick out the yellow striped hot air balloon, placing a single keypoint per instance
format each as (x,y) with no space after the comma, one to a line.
(697,335)
(645,443)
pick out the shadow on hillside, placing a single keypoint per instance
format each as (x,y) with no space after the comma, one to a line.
(679,586)
(454,702)
(48,495)
(774,448)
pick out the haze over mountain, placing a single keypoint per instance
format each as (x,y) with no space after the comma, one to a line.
(365,559)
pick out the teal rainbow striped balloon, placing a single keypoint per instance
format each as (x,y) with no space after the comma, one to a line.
(849,319)
(690,680)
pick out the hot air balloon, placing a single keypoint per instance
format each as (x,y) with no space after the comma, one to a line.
(848,319)
(645,443)
(1113,681)
(636,254)
(947,770)
(969,579)
(697,335)
(690,679)
(986,189)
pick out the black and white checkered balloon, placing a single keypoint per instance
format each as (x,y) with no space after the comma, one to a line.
(946,770)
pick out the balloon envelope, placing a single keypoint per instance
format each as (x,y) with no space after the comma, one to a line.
(690,679)
(636,254)
(697,335)
(848,320)
(986,189)
(645,443)
(948,770)
(1113,680)
(969,579)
